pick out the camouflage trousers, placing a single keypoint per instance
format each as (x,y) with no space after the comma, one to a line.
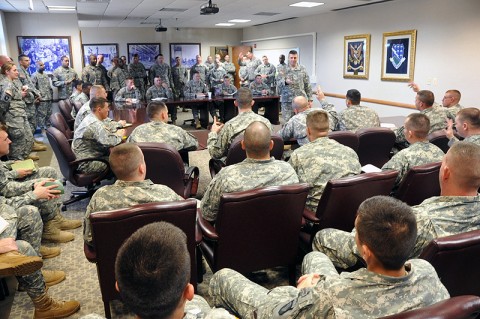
(338,245)
(140,85)
(24,224)
(287,110)
(92,167)
(198,305)
(22,141)
(48,208)
(44,111)
(34,283)
(31,111)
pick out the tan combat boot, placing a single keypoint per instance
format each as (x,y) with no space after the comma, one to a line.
(46,307)
(197,124)
(49,252)
(51,233)
(38,147)
(64,224)
(15,264)
(33,157)
(53,277)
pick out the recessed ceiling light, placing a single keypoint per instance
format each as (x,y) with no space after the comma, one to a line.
(223,24)
(61,8)
(239,20)
(305,4)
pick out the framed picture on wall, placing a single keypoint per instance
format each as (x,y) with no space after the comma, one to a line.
(356,61)
(108,50)
(222,51)
(48,49)
(186,51)
(398,57)
(146,52)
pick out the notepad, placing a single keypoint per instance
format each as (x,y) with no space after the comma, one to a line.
(26,164)
(3,224)
(59,185)
(369,168)
(159,99)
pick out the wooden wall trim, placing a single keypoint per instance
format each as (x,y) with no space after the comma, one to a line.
(375,101)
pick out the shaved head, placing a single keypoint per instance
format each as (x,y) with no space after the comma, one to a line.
(257,140)
(463,161)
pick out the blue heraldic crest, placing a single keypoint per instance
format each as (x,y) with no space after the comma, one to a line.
(397,57)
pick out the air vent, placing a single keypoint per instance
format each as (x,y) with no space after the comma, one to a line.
(257,25)
(172,10)
(361,5)
(268,14)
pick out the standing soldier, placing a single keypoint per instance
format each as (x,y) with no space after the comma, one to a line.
(216,74)
(63,76)
(229,68)
(93,74)
(161,69)
(251,64)
(209,63)
(180,77)
(199,68)
(117,76)
(42,83)
(137,71)
(243,74)
(267,71)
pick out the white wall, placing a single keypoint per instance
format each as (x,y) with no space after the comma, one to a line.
(447,47)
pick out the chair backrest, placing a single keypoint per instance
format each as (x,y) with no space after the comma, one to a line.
(111,228)
(77,105)
(461,307)
(164,166)
(259,228)
(346,138)
(236,154)
(66,110)
(374,145)
(341,198)
(456,259)
(440,139)
(420,182)
(58,121)
(63,152)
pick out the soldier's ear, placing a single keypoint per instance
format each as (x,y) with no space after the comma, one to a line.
(242,143)
(271,144)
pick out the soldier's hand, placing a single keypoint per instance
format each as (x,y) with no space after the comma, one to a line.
(216,126)
(414,86)
(165,85)
(240,55)
(24,172)
(449,130)
(309,280)
(122,122)
(121,132)
(320,94)
(45,192)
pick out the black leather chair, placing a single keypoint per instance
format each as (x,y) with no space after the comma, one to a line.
(375,145)
(420,182)
(58,121)
(346,138)
(440,139)
(255,229)
(66,110)
(110,229)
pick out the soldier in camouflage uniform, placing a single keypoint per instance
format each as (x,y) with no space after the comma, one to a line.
(194,86)
(15,115)
(243,74)
(93,138)
(229,67)
(355,116)
(32,93)
(454,212)
(257,170)
(420,151)
(216,74)
(282,66)
(268,71)
(137,70)
(259,87)
(467,125)
(293,82)
(450,101)
(158,131)
(161,69)
(200,68)
(251,64)
(437,116)
(180,77)
(117,77)
(388,285)
(160,89)
(63,77)
(103,68)
(128,92)
(94,74)
(322,159)
(82,97)
(224,89)
(222,135)
(209,63)
(42,83)
(95,91)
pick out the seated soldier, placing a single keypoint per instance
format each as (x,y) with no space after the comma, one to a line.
(389,284)
(455,211)
(322,159)
(420,151)
(131,188)
(129,93)
(159,131)
(257,170)
(158,90)
(467,125)
(355,116)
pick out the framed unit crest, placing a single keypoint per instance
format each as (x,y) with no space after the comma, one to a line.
(398,55)
(356,61)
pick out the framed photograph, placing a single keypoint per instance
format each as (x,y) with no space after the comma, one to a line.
(146,52)
(47,49)
(398,57)
(356,59)
(108,50)
(223,51)
(186,51)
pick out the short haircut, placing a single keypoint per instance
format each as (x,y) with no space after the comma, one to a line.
(463,159)
(3,127)
(257,139)
(292,52)
(92,56)
(7,67)
(129,78)
(389,228)
(97,102)
(63,57)
(264,56)
(96,89)
(135,55)
(471,115)
(354,96)
(22,56)
(317,121)
(456,93)
(124,160)
(156,57)
(419,124)
(77,82)
(115,60)
(299,102)
(86,85)
(152,270)
(153,108)
(426,97)
(244,98)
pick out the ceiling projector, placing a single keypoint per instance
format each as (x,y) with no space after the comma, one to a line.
(160,28)
(209,8)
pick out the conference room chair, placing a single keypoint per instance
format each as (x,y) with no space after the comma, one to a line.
(456,259)
(461,307)
(236,154)
(58,121)
(346,138)
(66,110)
(440,139)
(255,229)
(69,164)
(77,106)
(111,228)
(375,145)
(419,183)
(165,166)
(340,201)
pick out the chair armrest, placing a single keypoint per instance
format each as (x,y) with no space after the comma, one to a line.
(90,253)
(89,159)
(215,165)
(310,216)
(190,180)
(207,229)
